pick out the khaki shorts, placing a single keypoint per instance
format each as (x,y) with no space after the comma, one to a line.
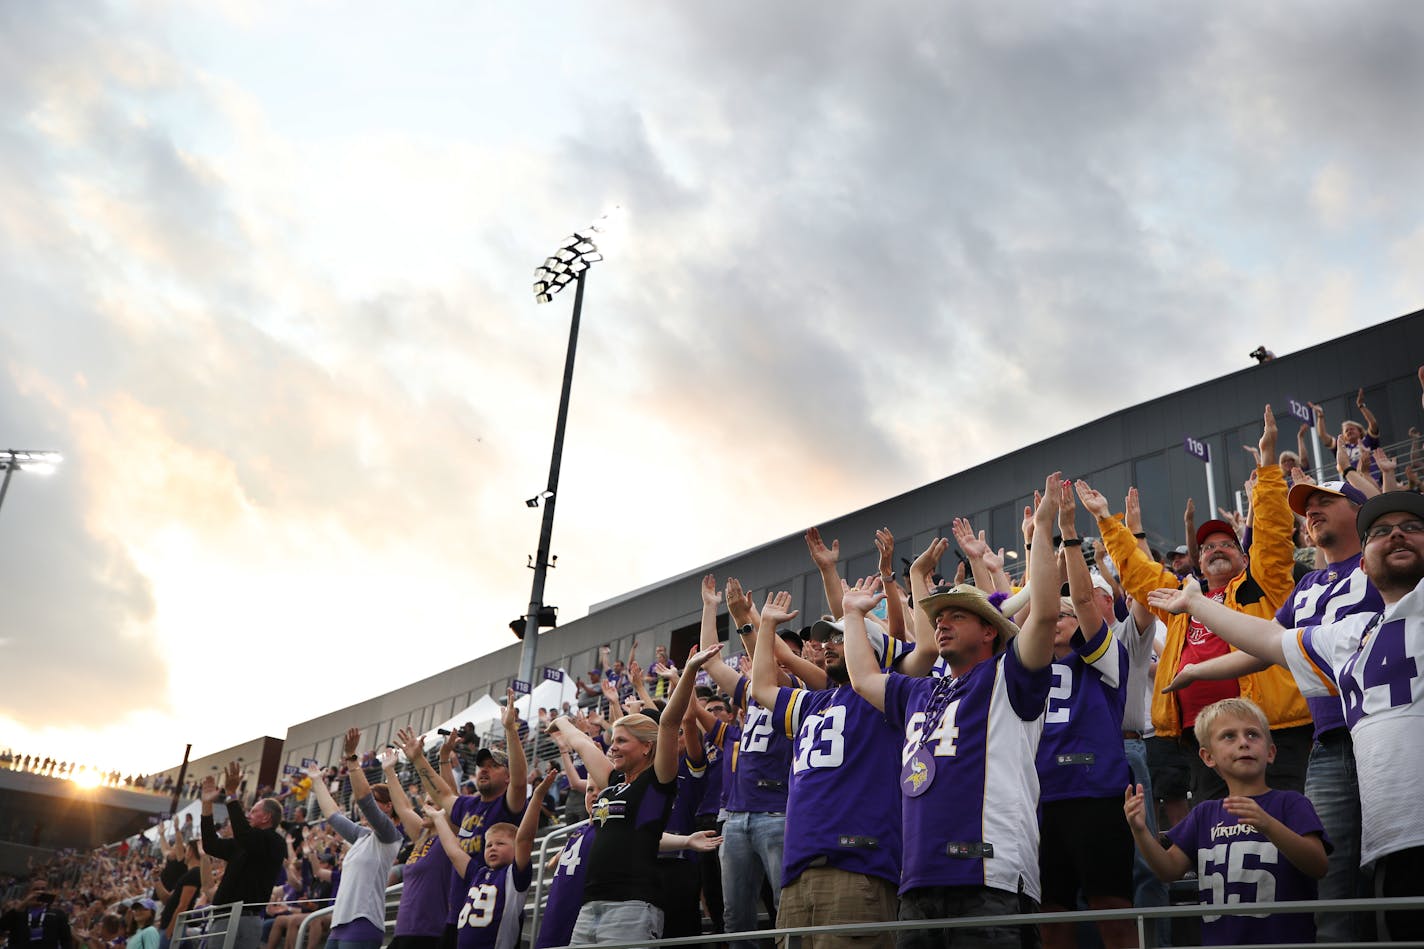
(826,896)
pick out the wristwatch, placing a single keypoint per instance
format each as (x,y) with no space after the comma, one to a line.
(746,629)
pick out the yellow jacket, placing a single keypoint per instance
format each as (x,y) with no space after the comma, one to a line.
(1259,590)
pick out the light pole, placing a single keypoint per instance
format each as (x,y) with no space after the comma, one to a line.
(569,264)
(16,459)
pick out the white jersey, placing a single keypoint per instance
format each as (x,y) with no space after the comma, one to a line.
(1375,663)
(1140,644)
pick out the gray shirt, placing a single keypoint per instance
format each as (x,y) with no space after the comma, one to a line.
(367,867)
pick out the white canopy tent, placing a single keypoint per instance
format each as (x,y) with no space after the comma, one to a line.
(483,711)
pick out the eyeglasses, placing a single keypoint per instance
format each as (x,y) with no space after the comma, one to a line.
(1063,615)
(716,708)
(1384,530)
(1220,545)
(835,639)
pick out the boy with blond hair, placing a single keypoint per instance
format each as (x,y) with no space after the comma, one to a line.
(1254,846)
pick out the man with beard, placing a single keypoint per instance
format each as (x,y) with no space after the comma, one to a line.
(1372,660)
(841,861)
(1257,586)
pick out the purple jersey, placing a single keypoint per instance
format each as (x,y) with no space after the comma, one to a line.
(970,791)
(556,923)
(1080,754)
(470,815)
(691,787)
(843,809)
(713,780)
(1324,596)
(760,758)
(492,908)
(1236,863)
(425,893)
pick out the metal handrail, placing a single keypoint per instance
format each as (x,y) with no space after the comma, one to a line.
(1139,915)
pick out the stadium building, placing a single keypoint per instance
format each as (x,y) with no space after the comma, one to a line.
(1144,445)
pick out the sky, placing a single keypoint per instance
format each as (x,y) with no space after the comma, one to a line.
(265,281)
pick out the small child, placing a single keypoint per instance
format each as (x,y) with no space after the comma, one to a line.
(494,901)
(1254,846)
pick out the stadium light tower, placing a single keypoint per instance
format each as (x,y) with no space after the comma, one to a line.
(569,264)
(17,459)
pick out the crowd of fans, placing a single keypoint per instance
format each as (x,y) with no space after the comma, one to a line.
(1237,707)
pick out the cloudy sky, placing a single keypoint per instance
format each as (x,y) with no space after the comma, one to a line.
(265,282)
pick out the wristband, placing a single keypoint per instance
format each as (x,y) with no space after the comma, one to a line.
(1140,535)
(1072,542)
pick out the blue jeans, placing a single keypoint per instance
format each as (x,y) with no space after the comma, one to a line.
(751,849)
(1333,789)
(617,921)
(1147,890)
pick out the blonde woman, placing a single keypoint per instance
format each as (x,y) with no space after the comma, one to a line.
(638,778)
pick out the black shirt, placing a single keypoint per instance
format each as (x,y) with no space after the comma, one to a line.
(254,858)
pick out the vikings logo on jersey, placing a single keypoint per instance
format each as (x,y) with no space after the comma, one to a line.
(600,813)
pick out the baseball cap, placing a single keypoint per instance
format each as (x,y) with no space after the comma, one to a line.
(500,759)
(1300,493)
(881,642)
(1215,526)
(1391,502)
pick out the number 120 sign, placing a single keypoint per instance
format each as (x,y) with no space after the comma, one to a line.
(1197,449)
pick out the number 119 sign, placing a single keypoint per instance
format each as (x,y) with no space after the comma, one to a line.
(1201,451)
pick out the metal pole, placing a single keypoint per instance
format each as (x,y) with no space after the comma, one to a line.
(5,485)
(528,654)
(178,785)
(1210,492)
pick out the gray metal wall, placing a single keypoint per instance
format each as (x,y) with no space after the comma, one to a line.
(1141,445)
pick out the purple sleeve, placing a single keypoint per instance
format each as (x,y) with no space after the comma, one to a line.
(1184,835)
(1028,689)
(786,714)
(897,698)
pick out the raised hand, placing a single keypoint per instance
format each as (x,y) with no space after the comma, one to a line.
(1189,516)
(885,543)
(209,792)
(961,572)
(994,561)
(1360,399)
(411,744)
(509,718)
(551,774)
(710,596)
(387,758)
(1093,501)
(1048,505)
(232,777)
(863,597)
(698,659)
(739,602)
(1132,511)
(973,547)
(352,741)
(1386,464)
(1067,511)
(1267,444)
(778,609)
(927,563)
(821,555)
(1026,528)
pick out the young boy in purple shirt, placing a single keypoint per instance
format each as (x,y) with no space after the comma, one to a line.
(492,910)
(1255,845)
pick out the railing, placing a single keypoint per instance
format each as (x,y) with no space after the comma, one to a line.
(538,896)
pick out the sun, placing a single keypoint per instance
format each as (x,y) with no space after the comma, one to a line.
(88,779)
